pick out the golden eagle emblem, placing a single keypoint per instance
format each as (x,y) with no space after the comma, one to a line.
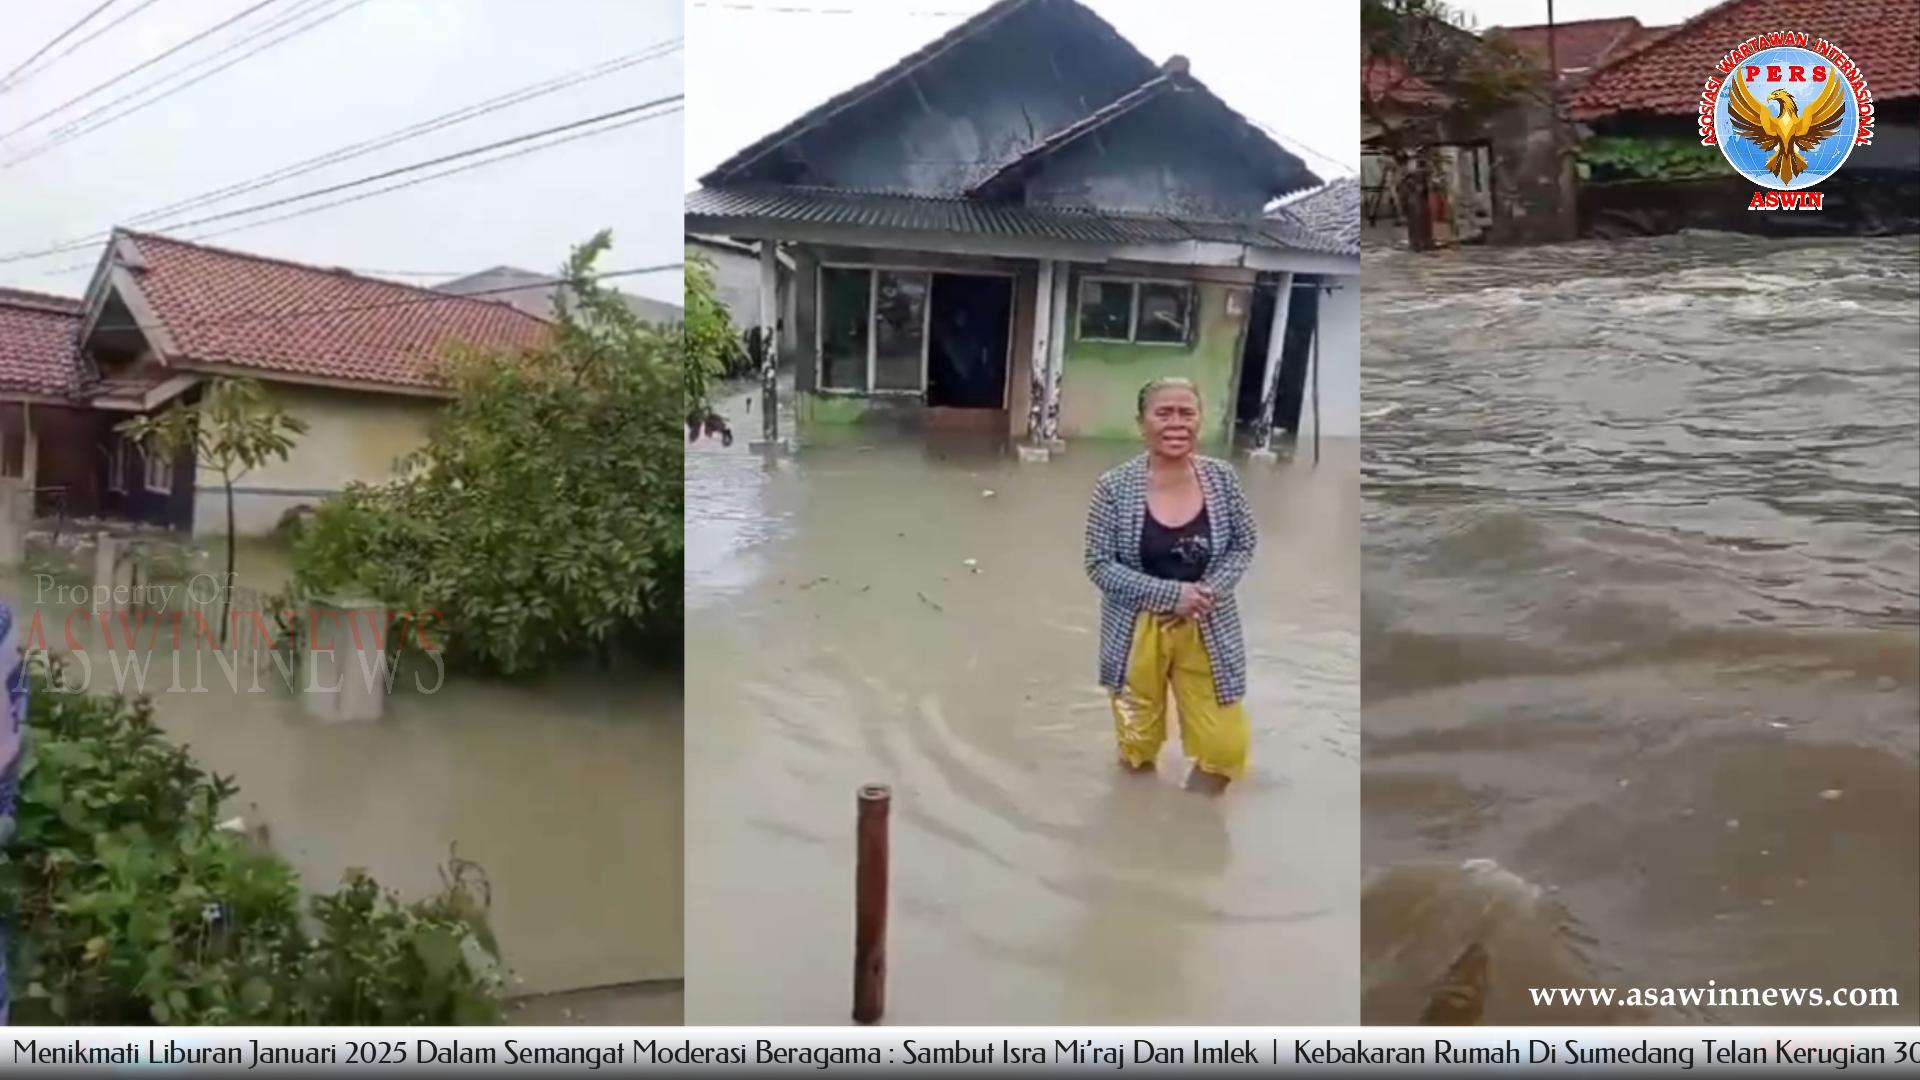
(1789,132)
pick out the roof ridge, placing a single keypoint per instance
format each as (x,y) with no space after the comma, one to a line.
(34,300)
(1568,22)
(1651,40)
(339,272)
(964,200)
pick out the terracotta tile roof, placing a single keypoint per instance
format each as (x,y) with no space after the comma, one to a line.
(1385,80)
(273,316)
(1577,46)
(1664,74)
(38,357)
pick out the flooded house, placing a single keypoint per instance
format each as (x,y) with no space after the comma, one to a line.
(352,356)
(1649,94)
(1014,227)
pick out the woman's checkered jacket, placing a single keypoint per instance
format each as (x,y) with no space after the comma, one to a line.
(1114,523)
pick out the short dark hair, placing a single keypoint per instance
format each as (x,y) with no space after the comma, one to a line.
(1165,382)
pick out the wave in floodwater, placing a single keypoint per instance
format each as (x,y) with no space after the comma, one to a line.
(1641,618)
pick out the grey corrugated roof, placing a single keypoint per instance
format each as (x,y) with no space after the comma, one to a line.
(537,298)
(1333,212)
(914,213)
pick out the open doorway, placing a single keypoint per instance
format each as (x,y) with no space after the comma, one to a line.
(1302,316)
(969,328)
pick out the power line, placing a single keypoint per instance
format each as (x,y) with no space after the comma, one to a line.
(424,127)
(7,79)
(142,66)
(436,176)
(89,39)
(72,130)
(388,174)
(801,9)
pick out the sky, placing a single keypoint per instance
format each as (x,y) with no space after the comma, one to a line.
(1491,13)
(754,65)
(378,67)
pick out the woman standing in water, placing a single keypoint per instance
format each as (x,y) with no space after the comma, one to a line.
(1168,537)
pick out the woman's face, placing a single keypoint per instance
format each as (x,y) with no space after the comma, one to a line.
(1172,421)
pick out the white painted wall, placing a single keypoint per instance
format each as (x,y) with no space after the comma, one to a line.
(1339,364)
(350,436)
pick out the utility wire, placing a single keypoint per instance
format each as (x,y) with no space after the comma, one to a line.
(375,178)
(7,79)
(141,66)
(435,176)
(424,127)
(800,9)
(428,296)
(85,41)
(73,130)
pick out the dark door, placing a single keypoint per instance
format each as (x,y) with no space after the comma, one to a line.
(969,320)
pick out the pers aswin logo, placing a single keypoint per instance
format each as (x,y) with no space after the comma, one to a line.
(1786,111)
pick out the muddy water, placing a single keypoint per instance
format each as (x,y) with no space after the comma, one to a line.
(1642,531)
(837,636)
(567,793)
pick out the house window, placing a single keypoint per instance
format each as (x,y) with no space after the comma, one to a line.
(873,329)
(1143,312)
(117,465)
(159,470)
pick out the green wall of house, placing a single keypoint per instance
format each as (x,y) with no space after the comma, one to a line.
(818,408)
(1101,380)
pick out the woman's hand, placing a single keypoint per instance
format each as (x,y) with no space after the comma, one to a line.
(1196,601)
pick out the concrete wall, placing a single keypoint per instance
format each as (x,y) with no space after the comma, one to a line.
(1340,359)
(350,436)
(1100,384)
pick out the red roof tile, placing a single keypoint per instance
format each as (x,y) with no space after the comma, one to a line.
(37,353)
(273,316)
(1384,79)
(1664,74)
(1577,46)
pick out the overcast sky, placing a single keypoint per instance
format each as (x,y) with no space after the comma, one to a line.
(1490,13)
(752,68)
(381,66)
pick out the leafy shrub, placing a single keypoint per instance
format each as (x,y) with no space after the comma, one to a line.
(127,904)
(542,520)
(1619,158)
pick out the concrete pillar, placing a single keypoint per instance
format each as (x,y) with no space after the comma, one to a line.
(347,675)
(116,573)
(30,453)
(1270,387)
(1041,390)
(1057,354)
(16,512)
(770,343)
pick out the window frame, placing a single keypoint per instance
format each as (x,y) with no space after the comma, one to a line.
(874,270)
(117,464)
(1133,285)
(151,457)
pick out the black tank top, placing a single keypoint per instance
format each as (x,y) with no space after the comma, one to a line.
(1176,554)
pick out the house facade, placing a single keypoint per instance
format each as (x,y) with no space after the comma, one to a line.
(1014,227)
(356,358)
(1650,92)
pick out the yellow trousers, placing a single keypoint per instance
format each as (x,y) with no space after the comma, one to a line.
(1168,658)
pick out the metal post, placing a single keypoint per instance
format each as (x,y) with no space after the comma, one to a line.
(870,906)
(769,341)
(1316,388)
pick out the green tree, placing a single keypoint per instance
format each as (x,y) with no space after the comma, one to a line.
(1425,73)
(543,516)
(711,344)
(233,429)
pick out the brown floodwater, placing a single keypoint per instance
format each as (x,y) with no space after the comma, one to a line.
(1642,622)
(566,792)
(868,612)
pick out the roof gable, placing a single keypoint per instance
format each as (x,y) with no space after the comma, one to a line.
(949,113)
(1663,74)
